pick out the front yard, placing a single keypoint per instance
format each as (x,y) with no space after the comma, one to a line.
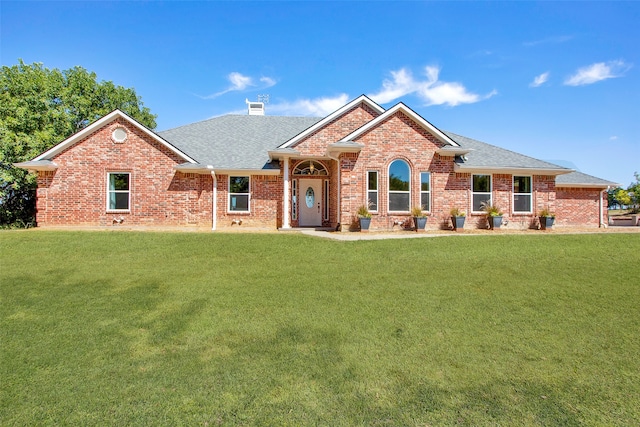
(129,328)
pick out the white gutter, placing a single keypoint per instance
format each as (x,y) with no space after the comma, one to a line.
(510,170)
(602,224)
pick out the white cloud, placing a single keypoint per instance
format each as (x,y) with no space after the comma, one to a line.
(613,138)
(432,90)
(240,82)
(318,107)
(596,72)
(539,80)
(549,40)
(268,82)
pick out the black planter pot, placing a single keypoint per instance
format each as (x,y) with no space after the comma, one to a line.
(546,222)
(495,222)
(420,222)
(458,222)
(364,224)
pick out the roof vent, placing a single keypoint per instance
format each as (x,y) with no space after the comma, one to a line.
(255,108)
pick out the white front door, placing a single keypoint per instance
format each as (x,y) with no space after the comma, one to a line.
(310,202)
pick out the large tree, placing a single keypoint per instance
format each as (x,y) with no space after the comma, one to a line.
(39,108)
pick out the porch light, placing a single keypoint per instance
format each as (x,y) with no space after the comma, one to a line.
(311,168)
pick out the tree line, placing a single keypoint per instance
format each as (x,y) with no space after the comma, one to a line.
(40,107)
(628,198)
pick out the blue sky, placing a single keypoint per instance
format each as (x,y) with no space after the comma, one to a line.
(558,81)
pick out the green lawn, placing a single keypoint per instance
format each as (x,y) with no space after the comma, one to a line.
(125,328)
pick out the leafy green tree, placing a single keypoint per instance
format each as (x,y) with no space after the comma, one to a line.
(611,197)
(634,193)
(622,197)
(39,108)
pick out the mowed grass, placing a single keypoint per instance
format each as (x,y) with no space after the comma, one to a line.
(125,328)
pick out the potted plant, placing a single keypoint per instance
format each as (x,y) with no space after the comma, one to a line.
(494,215)
(546,218)
(364,217)
(419,218)
(457,218)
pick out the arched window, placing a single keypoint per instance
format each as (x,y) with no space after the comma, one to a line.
(399,186)
(310,167)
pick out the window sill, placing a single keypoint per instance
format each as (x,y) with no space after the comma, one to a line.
(118,211)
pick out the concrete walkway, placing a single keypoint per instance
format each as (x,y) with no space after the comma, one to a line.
(381,235)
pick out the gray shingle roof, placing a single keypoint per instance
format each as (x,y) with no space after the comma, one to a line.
(583,180)
(243,142)
(490,156)
(236,141)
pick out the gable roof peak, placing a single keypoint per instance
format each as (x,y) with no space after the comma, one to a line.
(103,121)
(400,106)
(362,99)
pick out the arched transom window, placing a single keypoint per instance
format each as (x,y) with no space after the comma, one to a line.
(310,167)
(399,186)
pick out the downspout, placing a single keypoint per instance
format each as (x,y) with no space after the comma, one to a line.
(602,224)
(214,204)
(285,208)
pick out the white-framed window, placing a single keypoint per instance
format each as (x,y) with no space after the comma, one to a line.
(425,191)
(372,190)
(522,190)
(481,192)
(118,191)
(326,200)
(399,192)
(239,194)
(294,199)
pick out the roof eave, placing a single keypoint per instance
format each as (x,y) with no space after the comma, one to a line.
(282,153)
(37,165)
(244,172)
(115,114)
(450,151)
(603,186)
(511,170)
(337,148)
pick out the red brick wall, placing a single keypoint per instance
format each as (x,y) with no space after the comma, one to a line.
(316,143)
(580,207)
(76,193)
(265,206)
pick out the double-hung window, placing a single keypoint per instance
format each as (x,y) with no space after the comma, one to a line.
(481,192)
(239,194)
(372,190)
(522,194)
(425,191)
(118,191)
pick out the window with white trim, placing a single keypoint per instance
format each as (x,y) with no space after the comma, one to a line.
(522,194)
(425,191)
(399,186)
(481,192)
(118,191)
(239,194)
(372,190)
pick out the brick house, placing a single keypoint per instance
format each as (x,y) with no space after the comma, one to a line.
(260,171)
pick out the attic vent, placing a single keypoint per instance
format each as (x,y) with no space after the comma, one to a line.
(119,135)
(255,108)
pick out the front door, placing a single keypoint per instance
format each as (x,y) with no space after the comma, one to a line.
(310,202)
